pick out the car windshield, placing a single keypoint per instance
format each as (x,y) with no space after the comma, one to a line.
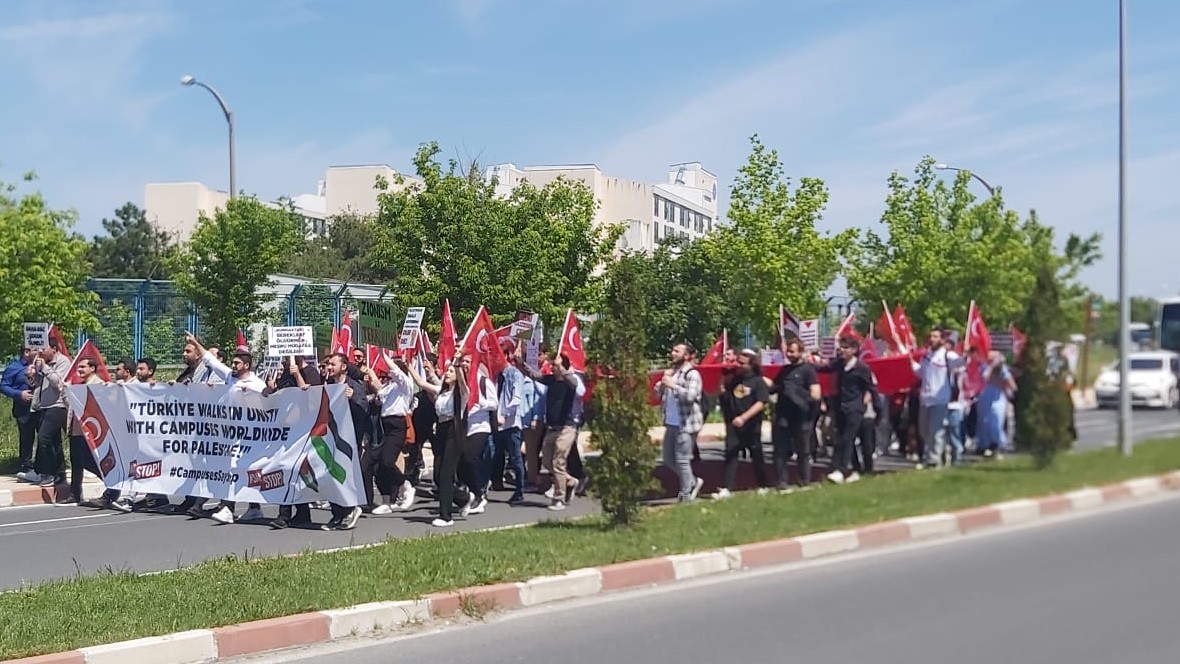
(1146,364)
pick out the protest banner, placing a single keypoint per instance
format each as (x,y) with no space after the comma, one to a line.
(36,335)
(377,323)
(223,442)
(286,341)
(809,332)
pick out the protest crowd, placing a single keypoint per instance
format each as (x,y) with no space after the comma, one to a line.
(496,416)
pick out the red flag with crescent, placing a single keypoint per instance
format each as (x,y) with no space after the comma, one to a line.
(481,344)
(571,342)
(94,424)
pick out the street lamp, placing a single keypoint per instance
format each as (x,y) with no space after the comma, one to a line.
(189,81)
(990,189)
(1125,439)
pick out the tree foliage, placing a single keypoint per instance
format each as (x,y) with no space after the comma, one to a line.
(43,267)
(343,253)
(132,248)
(229,259)
(452,237)
(623,472)
(771,252)
(1044,408)
(941,249)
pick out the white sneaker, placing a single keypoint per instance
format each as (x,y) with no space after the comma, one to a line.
(697,485)
(386,506)
(556,506)
(442,523)
(252,514)
(223,515)
(466,509)
(407,499)
(121,505)
(29,476)
(548,492)
(852,477)
(762,490)
(479,506)
(349,521)
(722,494)
(836,477)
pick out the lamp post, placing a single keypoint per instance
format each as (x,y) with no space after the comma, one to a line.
(189,81)
(990,189)
(1125,440)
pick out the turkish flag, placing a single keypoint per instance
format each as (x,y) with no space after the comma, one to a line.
(55,335)
(344,338)
(905,332)
(716,354)
(446,340)
(94,424)
(90,352)
(977,336)
(846,329)
(571,342)
(375,358)
(481,344)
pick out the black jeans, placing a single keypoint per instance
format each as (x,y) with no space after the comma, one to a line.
(81,459)
(26,427)
(736,440)
(393,441)
(848,421)
(868,445)
(50,455)
(461,457)
(793,435)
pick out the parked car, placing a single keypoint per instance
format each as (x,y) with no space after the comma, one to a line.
(1155,381)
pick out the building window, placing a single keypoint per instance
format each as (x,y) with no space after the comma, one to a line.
(655,212)
(669,210)
(708,223)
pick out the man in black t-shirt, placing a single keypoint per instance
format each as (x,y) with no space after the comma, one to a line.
(743,399)
(798,390)
(854,389)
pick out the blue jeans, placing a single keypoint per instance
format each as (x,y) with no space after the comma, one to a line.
(932,427)
(954,426)
(508,440)
(677,451)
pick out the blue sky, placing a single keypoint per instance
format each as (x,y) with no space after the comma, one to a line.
(1024,93)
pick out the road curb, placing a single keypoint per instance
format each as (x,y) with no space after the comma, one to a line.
(320,627)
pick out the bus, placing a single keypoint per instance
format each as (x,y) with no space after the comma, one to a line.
(1168,326)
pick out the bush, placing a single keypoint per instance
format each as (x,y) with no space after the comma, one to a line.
(623,471)
(1044,407)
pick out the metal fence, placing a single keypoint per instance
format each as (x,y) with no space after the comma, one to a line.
(146,318)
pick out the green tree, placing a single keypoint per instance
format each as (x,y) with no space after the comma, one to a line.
(226,265)
(623,472)
(1044,410)
(451,237)
(133,247)
(43,268)
(771,253)
(343,253)
(941,249)
(685,294)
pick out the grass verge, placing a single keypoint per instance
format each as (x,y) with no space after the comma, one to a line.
(114,607)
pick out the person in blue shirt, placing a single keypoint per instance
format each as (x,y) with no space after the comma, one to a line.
(15,386)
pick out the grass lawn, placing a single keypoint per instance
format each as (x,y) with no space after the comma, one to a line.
(118,606)
(9,450)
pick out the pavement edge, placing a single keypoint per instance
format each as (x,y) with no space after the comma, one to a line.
(261,636)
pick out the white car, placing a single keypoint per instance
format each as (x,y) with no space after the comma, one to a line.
(1155,381)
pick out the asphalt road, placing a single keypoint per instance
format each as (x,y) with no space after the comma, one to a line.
(1096,589)
(1099,428)
(54,541)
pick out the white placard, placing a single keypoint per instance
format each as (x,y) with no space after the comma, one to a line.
(414,316)
(36,335)
(286,341)
(809,332)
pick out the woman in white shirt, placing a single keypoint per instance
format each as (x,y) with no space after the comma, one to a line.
(466,431)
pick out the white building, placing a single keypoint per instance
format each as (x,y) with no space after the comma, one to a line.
(175,206)
(685,205)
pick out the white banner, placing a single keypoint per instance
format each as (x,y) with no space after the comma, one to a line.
(214,441)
